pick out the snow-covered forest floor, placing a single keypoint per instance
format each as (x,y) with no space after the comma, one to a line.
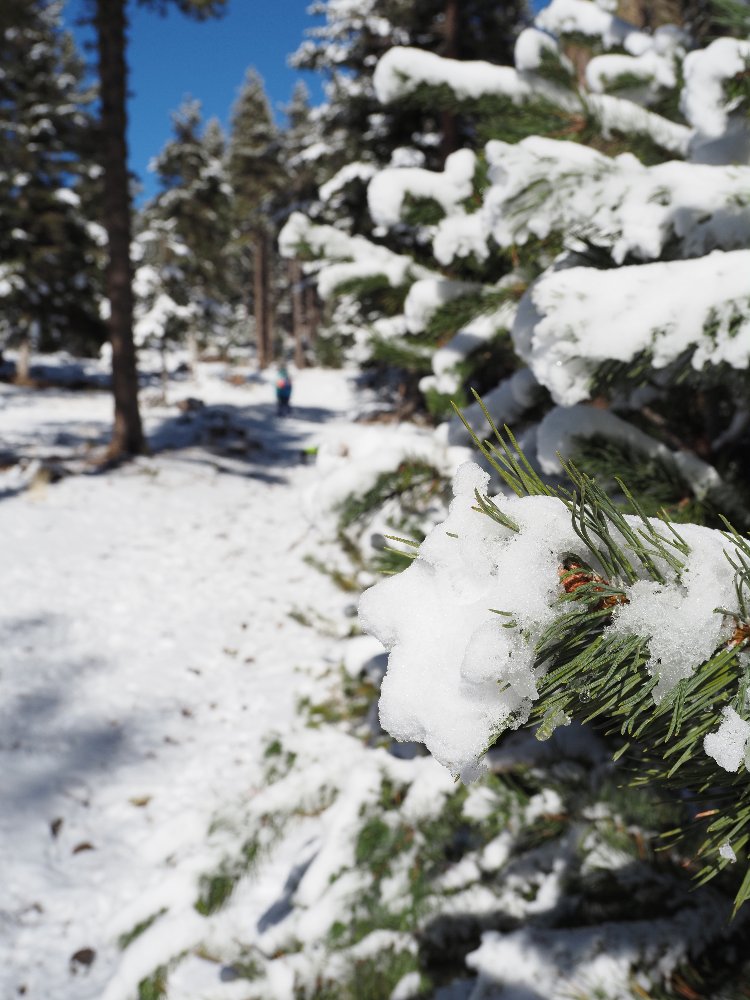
(149,644)
(198,802)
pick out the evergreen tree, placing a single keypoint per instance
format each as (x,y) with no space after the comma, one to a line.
(48,255)
(256,178)
(363,135)
(592,255)
(347,47)
(183,281)
(110,21)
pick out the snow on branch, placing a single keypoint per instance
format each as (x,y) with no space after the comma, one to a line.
(707,101)
(543,185)
(465,621)
(563,427)
(550,606)
(581,17)
(389,188)
(403,69)
(354,257)
(573,321)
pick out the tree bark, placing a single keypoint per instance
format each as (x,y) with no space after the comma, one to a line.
(449,122)
(110,20)
(23,361)
(299,326)
(312,313)
(260,294)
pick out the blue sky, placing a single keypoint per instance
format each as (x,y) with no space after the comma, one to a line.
(173,57)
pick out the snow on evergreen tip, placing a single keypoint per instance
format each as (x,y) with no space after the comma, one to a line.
(462,623)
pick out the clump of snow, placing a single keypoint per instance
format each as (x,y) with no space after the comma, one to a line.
(402,69)
(427,295)
(679,617)
(474,333)
(727,745)
(565,17)
(506,404)
(347,257)
(543,185)
(604,960)
(726,851)
(449,651)
(388,189)
(350,459)
(703,101)
(461,236)
(351,172)
(582,317)
(530,48)
(616,114)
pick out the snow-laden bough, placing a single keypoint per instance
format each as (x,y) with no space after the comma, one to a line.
(463,623)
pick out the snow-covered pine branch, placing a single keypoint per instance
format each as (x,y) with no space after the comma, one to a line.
(541,186)
(546,607)
(575,320)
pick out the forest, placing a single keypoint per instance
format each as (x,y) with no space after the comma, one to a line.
(375,508)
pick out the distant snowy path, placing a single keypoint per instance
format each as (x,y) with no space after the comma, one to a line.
(145,647)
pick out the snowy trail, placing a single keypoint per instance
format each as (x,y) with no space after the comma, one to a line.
(146,646)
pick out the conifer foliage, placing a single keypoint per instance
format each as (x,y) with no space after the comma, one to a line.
(597,237)
(255,177)
(49,288)
(183,281)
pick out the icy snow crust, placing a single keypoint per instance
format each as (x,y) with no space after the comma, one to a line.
(456,676)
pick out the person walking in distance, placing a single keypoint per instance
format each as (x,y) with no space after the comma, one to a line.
(283,391)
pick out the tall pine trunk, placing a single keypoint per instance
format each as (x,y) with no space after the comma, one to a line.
(262,298)
(23,361)
(110,20)
(449,122)
(312,312)
(299,326)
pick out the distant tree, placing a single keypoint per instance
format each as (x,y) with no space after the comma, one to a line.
(183,286)
(110,21)
(304,158)
(48,254)
(256,179)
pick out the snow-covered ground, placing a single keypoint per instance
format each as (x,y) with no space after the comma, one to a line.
(147,647)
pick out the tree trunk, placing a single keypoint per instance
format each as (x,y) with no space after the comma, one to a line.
(299,327)
(261,296)
(193,353)
(312,313)
(110,21)
(449,122)
(270,327)
(23,361)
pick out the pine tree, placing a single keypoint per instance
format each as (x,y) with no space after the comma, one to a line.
(346,48)
(110,21)
(48,255)
(255,178)
(592,254)
(364,135)
(183,278)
